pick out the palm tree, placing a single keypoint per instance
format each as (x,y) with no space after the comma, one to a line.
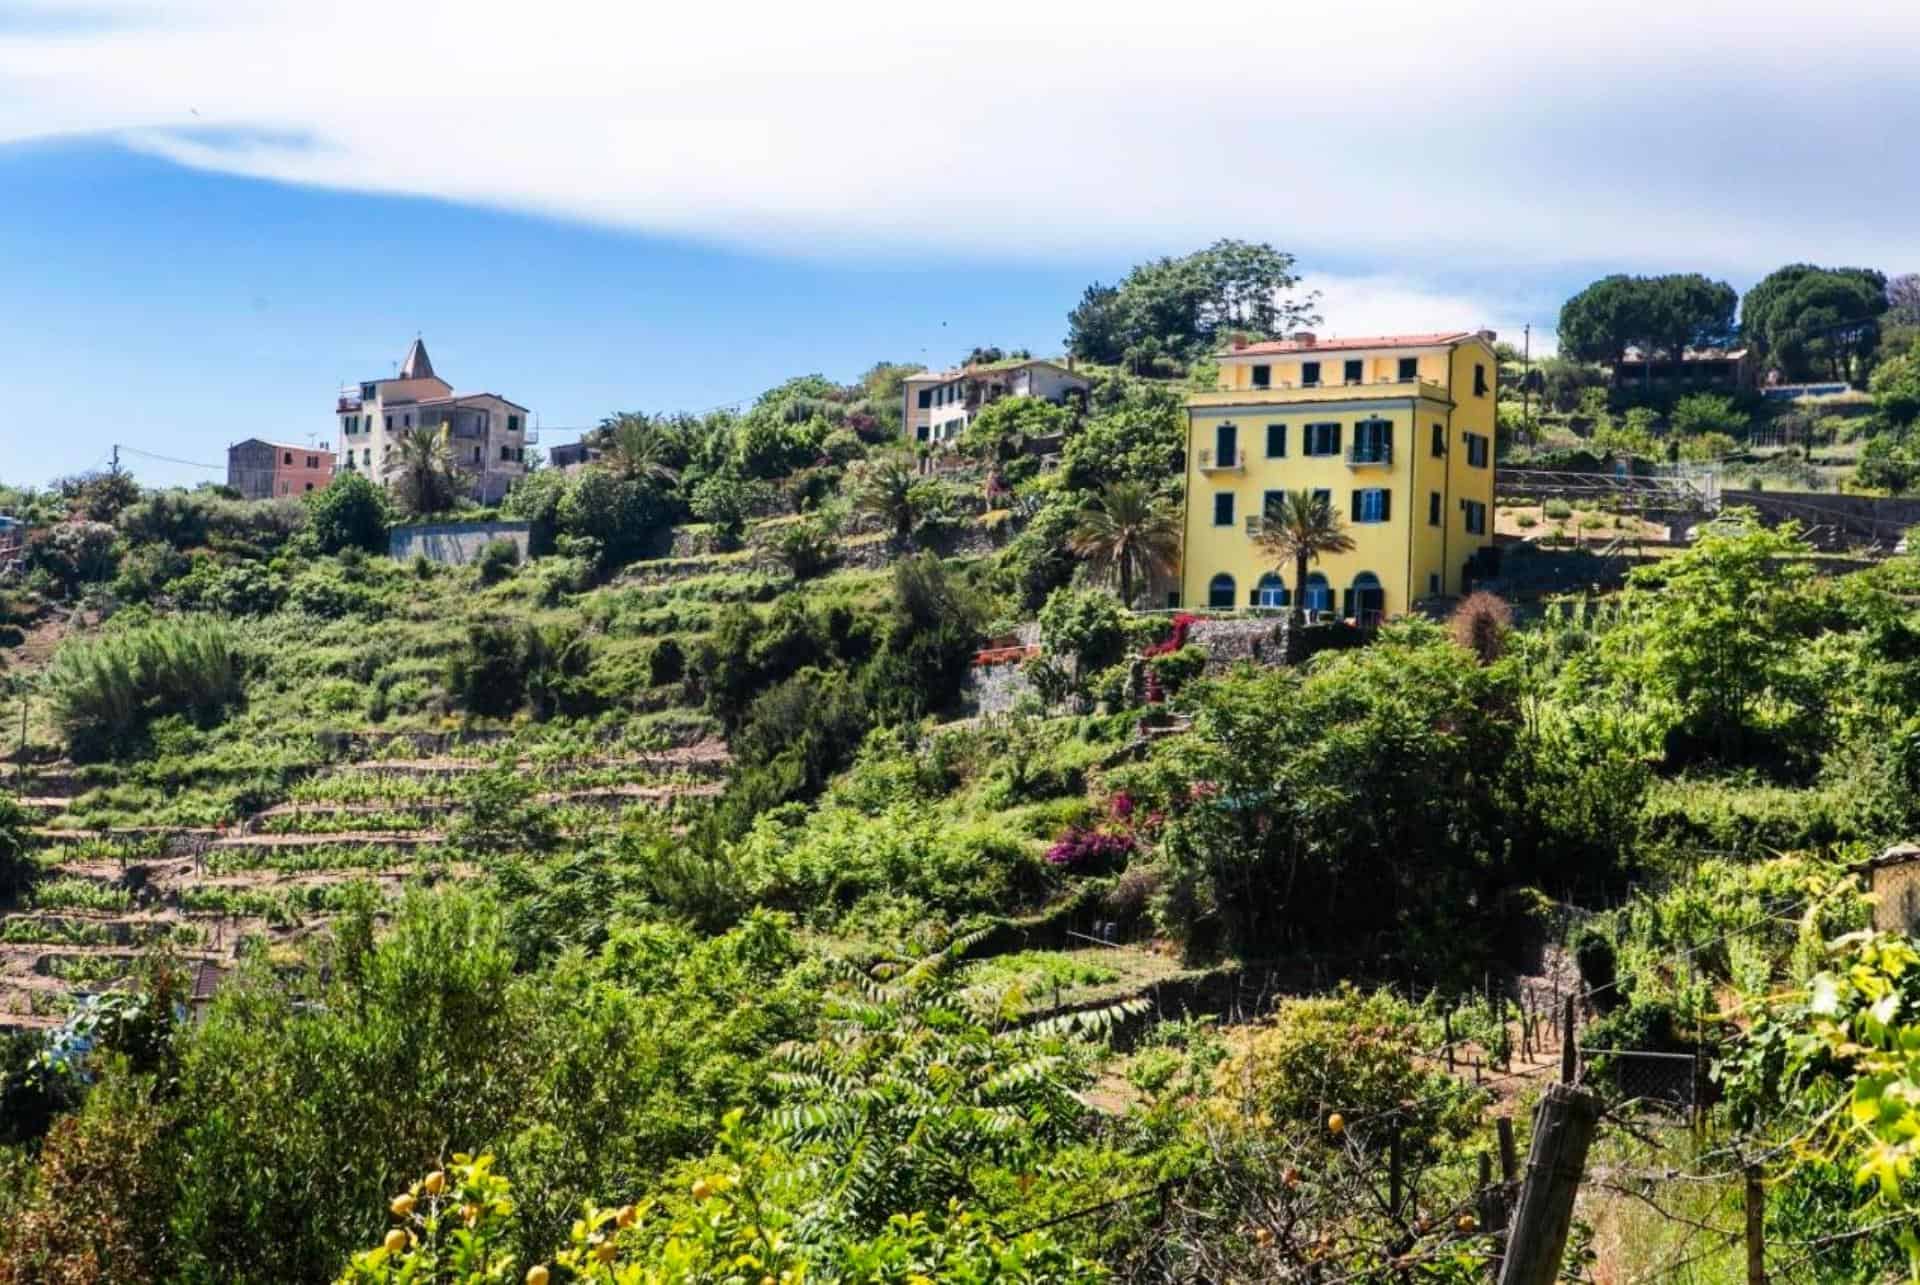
(641,449)
(426,477)
(886,490)
(1128,529)
(1302,526)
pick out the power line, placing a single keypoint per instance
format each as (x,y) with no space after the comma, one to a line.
(168,459)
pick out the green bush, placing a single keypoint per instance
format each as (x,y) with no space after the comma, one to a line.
(1089,625)
(1558,510)
(350,512)
(102,690)
(497,561)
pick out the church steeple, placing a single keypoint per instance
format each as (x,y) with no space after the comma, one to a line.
(417,364)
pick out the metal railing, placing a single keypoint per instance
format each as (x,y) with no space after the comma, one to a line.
(1361,454)
(1235,458)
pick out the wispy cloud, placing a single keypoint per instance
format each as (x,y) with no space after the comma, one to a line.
(1725,134)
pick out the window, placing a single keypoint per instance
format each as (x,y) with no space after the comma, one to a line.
(1479,379)
(1476,516)
(389,423)
(1439,440)
(1271,592)
(309,486)
(1373,441)
(1409,369)
(1223,508)
(506,452)
(1433,508)
(406,421)
(1372,504)
(1276,441)
(1433,583)
(366,392)
(1309,374)
(923,431)
(313,461)
(1318,595)
(1476,450)
(476,455)
(926,398)
(1226,444)
(1220,592)
(1263,376)
(1321,495)
(513,423)
(366,456)
(1173,599)
(1271,504)
(1323,439)
(1353,374)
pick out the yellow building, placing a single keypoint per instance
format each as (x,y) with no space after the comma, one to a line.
(1397,430)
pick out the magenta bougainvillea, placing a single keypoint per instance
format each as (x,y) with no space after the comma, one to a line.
(1088,849)
(1175,640)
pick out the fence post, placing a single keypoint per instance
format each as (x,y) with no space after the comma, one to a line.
(1508,1163)
(1569,1055)
(1563,1129)
(1756,1228)
(1446,1026)
(1396,1174)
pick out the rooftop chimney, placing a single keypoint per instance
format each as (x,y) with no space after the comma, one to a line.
(1305,338)
(1488,335)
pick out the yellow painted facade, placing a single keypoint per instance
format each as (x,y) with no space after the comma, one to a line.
(1415,425)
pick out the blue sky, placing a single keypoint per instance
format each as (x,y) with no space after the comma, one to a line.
(212,212)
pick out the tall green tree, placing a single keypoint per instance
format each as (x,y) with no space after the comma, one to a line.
(1184,306)
(642,448)
(1128,531)
(1301,527)
(1666,314)
(1812,321)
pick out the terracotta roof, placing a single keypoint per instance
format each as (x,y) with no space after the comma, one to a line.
(1335,344)
(459,397)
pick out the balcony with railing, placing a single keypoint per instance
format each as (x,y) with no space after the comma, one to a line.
(1370,455)
(1219,461)
(1326,390)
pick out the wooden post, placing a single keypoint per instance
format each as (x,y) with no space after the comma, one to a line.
(1569,1054)
(1756,1228)
(1563,1128)
(1508,1163)
(1446,1025)
(1396,1175)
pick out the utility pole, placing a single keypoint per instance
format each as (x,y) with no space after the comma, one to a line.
(116,460)
(1563,1128)
(1526,379)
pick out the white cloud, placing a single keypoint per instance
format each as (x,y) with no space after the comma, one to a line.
(1386,305)
(1641,133)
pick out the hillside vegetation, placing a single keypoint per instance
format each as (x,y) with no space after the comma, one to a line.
(662,908)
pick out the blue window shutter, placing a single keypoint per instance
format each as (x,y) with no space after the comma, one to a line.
(1386,504)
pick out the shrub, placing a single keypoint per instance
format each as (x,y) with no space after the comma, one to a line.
(1481,624)
(497,561)
(76,553)
(1091,851)
(666,663)
(350,512)
(1558,510)
(1593,952)
(1088,625)
(102,690)
(806,549)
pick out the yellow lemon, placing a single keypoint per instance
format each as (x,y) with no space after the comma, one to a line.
(1466,1224)
(538,1274)
(396,1241)
(1336,1123)
(604,1252)
(702,1189)
(436,1183)
(402,1205)
(625,1217)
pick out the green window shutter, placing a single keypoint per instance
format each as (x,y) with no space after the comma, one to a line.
(1386,505)
(1353,513)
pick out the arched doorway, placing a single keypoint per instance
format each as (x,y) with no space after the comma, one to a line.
(1366,600)
(1271,592)
(1318,595)
(1220,593)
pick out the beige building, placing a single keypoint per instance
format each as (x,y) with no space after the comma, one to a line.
(487,434)
(939,404)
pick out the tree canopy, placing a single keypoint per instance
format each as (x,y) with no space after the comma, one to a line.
(1183,306)
(1812,321)
(1656,314)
